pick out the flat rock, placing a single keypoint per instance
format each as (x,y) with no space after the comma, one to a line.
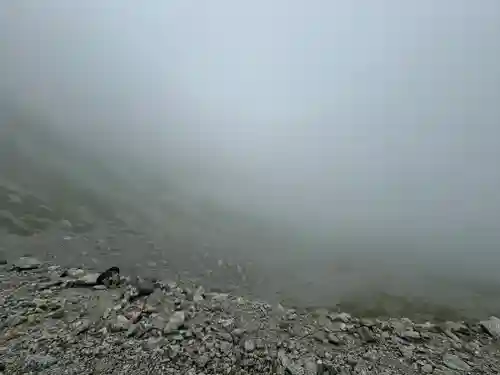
(27,263)
(492,326)
(337,327)
(455,363)
(89,279)
(410,335)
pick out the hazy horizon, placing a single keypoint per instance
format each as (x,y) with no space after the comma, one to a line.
(378,120)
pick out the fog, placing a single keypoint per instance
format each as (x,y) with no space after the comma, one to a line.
(372,121)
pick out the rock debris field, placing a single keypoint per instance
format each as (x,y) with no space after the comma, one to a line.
(56,320)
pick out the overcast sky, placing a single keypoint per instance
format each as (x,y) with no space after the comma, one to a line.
(377,115)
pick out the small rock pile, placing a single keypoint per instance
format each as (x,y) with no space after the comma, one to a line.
(72,321)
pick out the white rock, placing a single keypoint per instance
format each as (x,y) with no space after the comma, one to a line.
(492,326)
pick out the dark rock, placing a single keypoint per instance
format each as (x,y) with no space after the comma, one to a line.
(145,287)
(110,277)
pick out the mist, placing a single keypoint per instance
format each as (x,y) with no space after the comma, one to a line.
(368,123)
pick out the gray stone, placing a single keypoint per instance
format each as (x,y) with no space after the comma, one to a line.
(249,345)
(144,287)
(203,360)
(27,263)
(82,327)
(334,339)
(367,322)
(427,368)
(320,336)
(310,367)
(15,320)
(120,323)
(154,342)
(337,327)
(399,326)
(291,367)
(89,279)
(75,273)
(406,351)
(238,332)
(366,334)
(455,327)
(58,314)
(340,317)
(132,330)
(451,335)
(410,335)
(199,294)
(39,362)
(455,363)
(175,322)
(492,326)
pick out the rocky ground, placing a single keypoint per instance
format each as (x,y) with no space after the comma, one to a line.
(56,320)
